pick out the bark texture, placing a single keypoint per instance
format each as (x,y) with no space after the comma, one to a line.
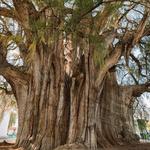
(84,110)
(116,113)
(70,111)
(66,98)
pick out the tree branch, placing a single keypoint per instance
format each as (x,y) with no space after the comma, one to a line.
(9,71)
(97,5)
(26,13)
(140,30)
(6,4)
(13,74)
(10,13)
(110,62)
(138,64)
(137,90)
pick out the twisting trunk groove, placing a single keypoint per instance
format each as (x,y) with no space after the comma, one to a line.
(44,121)
(116,113)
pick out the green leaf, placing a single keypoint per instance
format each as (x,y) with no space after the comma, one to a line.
(31,51)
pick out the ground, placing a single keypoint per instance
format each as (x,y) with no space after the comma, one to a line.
(145,146)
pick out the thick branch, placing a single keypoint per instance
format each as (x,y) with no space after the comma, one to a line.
(9,71)
(110,62)
(140,30)
(147,31)
(137,90)
(25,11)
(13,74)
(138,64)
(10,13)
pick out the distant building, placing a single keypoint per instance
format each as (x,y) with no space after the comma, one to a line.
(9,124)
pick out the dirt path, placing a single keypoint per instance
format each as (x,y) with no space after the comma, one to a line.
(6,146)
(145,146)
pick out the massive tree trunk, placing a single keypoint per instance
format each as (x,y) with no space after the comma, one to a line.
(43,102)
(80,105)
(116,113)
(59,111)
(56,109)
(85,110)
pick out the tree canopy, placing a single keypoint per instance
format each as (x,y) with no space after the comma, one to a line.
(25,24)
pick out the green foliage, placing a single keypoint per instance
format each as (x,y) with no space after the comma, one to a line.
(83,5)
(6,40)
(31,51)
(100,50)
(37,25)
(51,3)
(16,38)
(142,124)
(81,8)
(112,8)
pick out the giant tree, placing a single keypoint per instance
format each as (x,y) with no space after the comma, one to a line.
(65,85)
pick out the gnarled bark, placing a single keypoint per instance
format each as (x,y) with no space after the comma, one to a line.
(85,108)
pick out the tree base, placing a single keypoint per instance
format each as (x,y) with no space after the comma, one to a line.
(74,146)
